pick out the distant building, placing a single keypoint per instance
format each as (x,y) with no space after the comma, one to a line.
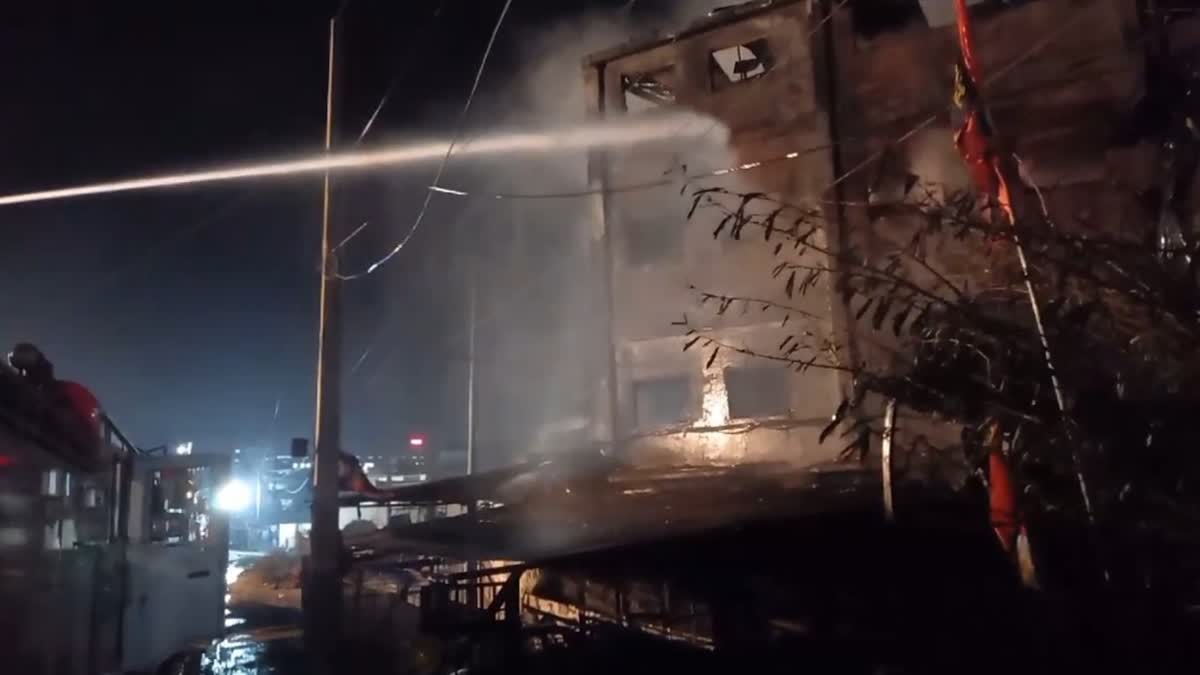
(284,489)
(400,468)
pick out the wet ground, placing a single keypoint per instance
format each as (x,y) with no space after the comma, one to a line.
(263,634)
(259,651)
(260,638)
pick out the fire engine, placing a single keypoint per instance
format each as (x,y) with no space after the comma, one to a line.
(111,559)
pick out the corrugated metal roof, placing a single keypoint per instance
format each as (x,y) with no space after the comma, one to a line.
(632,506)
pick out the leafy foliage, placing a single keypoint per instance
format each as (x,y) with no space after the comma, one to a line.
(1119,313)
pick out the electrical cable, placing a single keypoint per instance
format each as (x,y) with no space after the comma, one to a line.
(633,187)
(386,325)
(1024,56)
(445,158)
(647,185)
(387,92)
(1040,45)
(303,484)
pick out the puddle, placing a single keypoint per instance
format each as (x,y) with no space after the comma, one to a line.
(265,651)
(256,642)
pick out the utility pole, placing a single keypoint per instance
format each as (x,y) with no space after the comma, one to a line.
(475,597)
(471,321)
(323,591)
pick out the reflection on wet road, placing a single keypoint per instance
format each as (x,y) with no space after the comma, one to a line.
(263,651)
(258,640)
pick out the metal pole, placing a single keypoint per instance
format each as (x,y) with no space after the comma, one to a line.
(609,309)
(471,367)
(323,606)
(889,435)
(473,561)
(606,424)
(258,495)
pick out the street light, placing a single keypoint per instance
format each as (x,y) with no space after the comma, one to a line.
(233,496)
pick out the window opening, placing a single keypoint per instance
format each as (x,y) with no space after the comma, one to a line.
(756,392)
(662,401)
(740,63)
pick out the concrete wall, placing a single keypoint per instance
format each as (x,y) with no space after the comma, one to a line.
(1061,73)
(1059,76)
(771,115)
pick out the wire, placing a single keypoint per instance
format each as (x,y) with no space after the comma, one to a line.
(387,93)
(436,186)
(445,158)
(303,484)
(634,187)
(535,281)
(352,235)
(827,18)
(1026,55)
(388,323)
(647,185)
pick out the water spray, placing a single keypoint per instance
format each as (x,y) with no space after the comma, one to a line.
(625,132)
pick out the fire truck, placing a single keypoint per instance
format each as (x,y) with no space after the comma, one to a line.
(111,559)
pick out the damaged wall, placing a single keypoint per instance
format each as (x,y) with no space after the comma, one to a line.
(1061,75)
(745,68)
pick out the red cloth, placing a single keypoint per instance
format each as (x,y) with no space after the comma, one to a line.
(975,143)
(1003,500)
(966,41)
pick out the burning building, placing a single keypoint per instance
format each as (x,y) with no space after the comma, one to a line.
(840,106)
(840,111)
(746,68)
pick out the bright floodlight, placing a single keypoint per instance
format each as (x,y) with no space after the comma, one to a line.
(233,496)
(416,441)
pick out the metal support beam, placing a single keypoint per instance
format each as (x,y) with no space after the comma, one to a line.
(889,436)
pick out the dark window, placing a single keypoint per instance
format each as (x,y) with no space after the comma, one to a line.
(756,392)
(739,63)
(646,91)
(873,17)
(662,401)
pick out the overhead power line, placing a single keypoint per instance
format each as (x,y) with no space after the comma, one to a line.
(462,118)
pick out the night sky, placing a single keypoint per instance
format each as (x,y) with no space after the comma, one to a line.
(192,312)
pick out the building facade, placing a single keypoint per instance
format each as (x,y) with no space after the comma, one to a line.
(836,106)
(747,70)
